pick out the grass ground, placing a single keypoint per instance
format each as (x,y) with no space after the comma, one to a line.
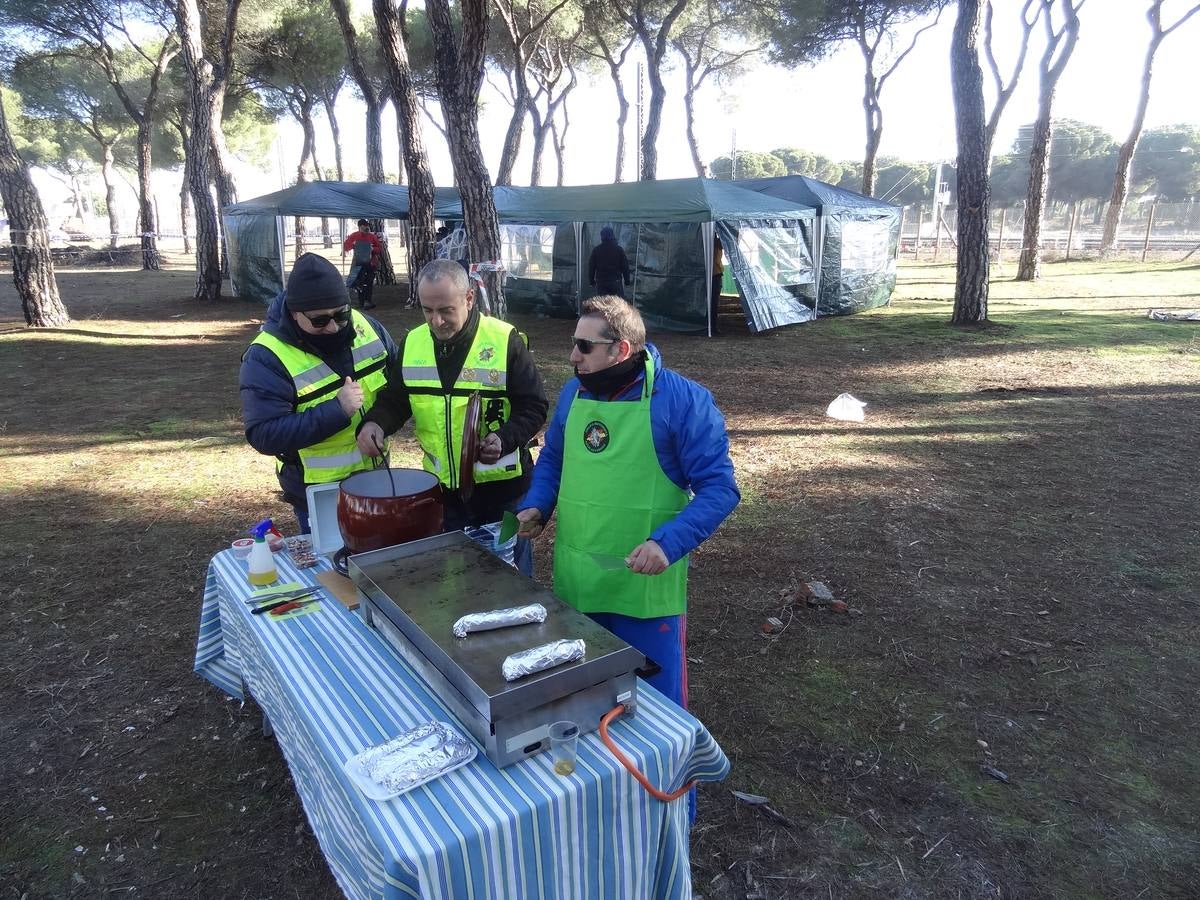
(1014,524)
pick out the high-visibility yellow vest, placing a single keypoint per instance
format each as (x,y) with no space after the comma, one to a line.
(438,416)
(337,456)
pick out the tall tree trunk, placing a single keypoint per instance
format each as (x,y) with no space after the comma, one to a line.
(973,192)
(33,268)
(516,126)
(374,115)
(1060,45)
(143,117)
(336,131)
(458,65)
(540,128)
(1116,203)
(560,146)
(146,216)
(374,141)
(1030,266)
(221,162)
(874,115)
(185,207)
(185,197)
(110,194)
(412,144)
(655,44)
(689,107)
(358,71)
(658,96)
(622,119)
(200,86)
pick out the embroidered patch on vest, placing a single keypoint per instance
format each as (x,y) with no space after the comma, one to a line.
(486,353)
(595,436)
(494,376)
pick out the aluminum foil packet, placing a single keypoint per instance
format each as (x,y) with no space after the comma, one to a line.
(416,756)
(499,618)
(538,659)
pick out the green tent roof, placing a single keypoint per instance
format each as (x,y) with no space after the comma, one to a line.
(672,200)
(341,199)
(802,189)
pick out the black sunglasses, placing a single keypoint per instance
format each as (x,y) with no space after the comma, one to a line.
(341,316)
(585,346)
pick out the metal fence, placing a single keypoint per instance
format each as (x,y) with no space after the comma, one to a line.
(1148,231)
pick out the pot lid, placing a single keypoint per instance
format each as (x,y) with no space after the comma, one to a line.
(470,448)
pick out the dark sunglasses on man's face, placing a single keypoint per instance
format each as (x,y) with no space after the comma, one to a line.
(584,346)
(341,316)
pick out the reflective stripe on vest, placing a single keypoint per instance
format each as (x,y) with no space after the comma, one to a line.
(439,415)
(314,382)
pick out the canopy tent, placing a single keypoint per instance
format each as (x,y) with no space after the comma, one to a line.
(254,228)
(667,229)
(857,241)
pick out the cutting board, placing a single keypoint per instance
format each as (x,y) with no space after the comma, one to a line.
(341,587)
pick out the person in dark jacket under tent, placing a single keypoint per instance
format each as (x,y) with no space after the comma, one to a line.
(608,268)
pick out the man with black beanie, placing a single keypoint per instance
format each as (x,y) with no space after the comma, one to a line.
(309,377)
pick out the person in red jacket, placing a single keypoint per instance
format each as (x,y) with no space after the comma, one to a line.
(367,250)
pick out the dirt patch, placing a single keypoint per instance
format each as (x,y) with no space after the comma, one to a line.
(1012,529)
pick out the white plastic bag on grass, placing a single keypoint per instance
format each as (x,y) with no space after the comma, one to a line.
(846,408)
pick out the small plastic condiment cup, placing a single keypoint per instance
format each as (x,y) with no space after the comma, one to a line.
(564,743)
(242,547)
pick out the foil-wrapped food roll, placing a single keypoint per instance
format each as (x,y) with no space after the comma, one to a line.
(416,756)
(537,659)
(499,618)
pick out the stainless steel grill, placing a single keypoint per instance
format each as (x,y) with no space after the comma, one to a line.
(412,594)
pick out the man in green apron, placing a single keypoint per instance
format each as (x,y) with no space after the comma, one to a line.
(636,460)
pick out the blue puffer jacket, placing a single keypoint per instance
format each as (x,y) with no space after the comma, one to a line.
(269,412)
(692,447)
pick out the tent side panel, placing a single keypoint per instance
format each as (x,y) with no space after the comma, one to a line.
(669,285)
(554,296)
(254,259)
(773,268)
(858,268)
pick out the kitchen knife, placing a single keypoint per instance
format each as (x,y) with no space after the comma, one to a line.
(281,602)
(609,563)
(280,595)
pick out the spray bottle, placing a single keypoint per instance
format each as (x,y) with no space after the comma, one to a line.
(261,562)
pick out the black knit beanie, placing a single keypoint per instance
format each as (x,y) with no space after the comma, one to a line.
(315,283)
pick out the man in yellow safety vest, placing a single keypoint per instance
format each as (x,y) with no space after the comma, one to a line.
(307,379)
(456,352)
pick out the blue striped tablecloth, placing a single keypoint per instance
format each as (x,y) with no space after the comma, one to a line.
(331,688)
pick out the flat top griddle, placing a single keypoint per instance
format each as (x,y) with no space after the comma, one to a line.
(425,586)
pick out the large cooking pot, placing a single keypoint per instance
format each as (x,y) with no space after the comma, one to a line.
(382,507)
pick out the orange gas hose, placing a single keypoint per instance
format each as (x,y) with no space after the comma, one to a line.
(624,760)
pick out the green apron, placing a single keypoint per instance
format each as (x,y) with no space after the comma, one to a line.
(612,496)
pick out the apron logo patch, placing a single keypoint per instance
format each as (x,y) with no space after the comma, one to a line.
(595,437)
